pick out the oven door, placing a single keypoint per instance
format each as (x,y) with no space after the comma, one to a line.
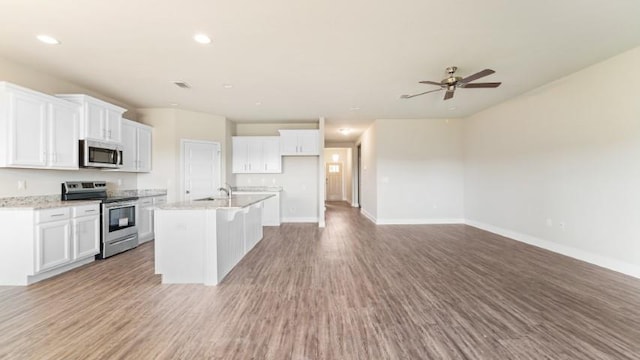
(119,221)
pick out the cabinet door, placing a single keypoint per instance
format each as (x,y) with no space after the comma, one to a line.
(129,147)
(52,245)
(63,136)
(145,220)
(113,126)
(86,237)
(94,122)
(271,155)
(308,142)
(28,129)
(288,143)
(144,149)
(255,162)
(239,155)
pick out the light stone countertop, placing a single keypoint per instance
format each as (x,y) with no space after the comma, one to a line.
(235,202)
(37,202)
(40,202)
(257,188)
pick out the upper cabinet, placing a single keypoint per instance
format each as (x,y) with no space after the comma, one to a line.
(136,147)
(256,155)
(37,130)
(99,120)
(299,142)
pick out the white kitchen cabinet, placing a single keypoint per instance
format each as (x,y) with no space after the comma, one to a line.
(86,232)
(145,216)
(43,243)
(136,147)
(53,246)
(37,130)
(145,219)
(99,120)
(256,155)
(299,142)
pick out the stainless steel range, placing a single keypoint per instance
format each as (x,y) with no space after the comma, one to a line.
(118,215)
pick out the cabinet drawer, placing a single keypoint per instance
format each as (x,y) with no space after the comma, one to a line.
(52,214)
(86,210)
(159,200)
(145,201)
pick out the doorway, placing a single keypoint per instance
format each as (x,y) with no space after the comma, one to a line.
(335,181)
(200,169)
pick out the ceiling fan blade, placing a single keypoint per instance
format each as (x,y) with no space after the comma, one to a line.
(448,95)
(426,92)
(482,85)
(430,82)
(476,76)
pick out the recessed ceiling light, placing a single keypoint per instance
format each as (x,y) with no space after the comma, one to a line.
(258,103)
(202,38)
(452,108)
(48,39)
(174,104)
(344,131)
(354,108)
(227,86)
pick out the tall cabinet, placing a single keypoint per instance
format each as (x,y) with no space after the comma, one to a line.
(136,147)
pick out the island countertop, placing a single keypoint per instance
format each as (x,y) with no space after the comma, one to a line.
(235,202)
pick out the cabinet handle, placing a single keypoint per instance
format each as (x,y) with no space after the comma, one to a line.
(88,211)
(109,134)
(57,215)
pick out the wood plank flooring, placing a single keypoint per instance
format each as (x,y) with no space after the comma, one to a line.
(350,291)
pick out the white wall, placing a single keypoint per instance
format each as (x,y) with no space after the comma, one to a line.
(569,153)
(299,181)
(169,127)
(47,182)
(369,181)
(420,171)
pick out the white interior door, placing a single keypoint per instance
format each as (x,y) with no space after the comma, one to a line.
(201,169)
(334,181)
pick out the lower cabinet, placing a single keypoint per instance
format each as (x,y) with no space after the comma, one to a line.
(53,246)
(271,207)
(145,216)
(44,243)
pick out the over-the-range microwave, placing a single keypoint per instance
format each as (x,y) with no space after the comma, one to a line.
(97,154)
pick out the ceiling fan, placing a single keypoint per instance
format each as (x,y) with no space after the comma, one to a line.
(452,82)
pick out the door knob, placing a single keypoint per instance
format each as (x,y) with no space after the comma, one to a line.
(188,192)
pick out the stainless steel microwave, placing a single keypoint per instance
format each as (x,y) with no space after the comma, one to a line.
(96,154)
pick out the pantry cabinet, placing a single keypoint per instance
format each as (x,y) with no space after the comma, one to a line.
(37,130)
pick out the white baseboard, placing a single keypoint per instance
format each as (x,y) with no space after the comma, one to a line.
(368,215)
(300,220)
(418,221)
(57,271)
(602,261)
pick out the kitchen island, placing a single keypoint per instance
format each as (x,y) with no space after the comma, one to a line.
(200,241)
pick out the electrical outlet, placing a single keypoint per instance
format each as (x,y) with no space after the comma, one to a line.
(561,225)
(22,184)
(119,182)
(435,205)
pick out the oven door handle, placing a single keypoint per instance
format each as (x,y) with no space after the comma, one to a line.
(128,238)
(120,205)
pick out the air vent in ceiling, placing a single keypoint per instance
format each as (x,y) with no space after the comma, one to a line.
(182,84)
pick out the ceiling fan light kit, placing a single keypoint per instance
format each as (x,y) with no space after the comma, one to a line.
(452,82)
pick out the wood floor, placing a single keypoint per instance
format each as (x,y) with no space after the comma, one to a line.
(351,291)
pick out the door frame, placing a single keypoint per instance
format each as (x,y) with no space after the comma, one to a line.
(342,182)
(183,142)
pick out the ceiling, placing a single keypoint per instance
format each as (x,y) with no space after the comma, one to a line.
(291,60)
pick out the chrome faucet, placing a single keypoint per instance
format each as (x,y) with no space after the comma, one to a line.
(227,189)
